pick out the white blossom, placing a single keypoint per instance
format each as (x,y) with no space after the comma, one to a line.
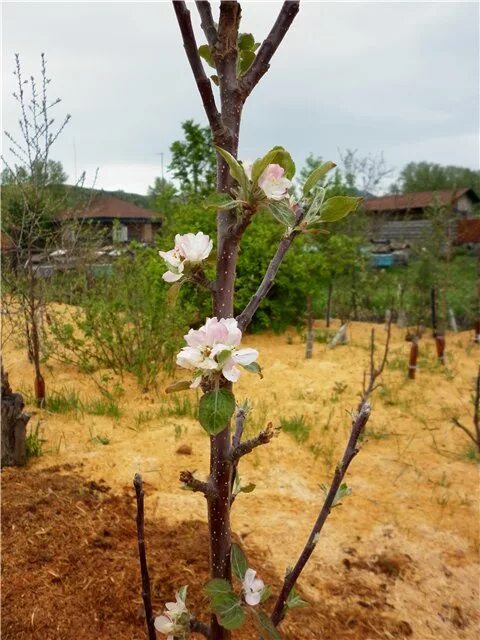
(252,587)
(189,248)
(274,183)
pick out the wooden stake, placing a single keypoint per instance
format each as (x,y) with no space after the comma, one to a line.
(412,362)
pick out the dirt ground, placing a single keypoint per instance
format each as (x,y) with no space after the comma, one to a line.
(398,559)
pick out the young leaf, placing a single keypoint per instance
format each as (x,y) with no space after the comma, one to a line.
(182,593)
(343,491)
(253,367)
(214,79)
(246,42)
(228,608)
(215,410)
(206,54)
(247,488)
(244,61)
(236,169)
(276,155)
(265,626)
(282,213)
(238,561)
(338,207)
(223,356)
(217,587)
(294,601)
(265,594)
(316,175)
(219,201)
(180,385)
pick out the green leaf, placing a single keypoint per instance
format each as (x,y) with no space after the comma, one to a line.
(265,625)
(342,492)
(180,385)
(276,155)
(253,367)
(215,410)
(215,79)
(238,561)
(220,201)
(294,601)
(182,593)
(337,208)
(223,356)
(282,213)
(244,61)
(316,175)
(236,169)
(247,488)
(229,611)
(265,594)
(217,587)
(246,42)
(206,54)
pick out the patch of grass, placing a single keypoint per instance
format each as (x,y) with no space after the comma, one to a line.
(375,434)
(471,454)
(34,443)
(323,335)
(297,426)
(179,432)
(338,389)
(64,401)
(142,418)
(103,407)
(99,439)
(179,406)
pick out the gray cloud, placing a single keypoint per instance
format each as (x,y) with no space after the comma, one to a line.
(401,78)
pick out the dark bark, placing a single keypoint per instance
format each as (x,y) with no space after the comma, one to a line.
(440,345)
(14,425)
(412,361)
(351,450)
(146,592)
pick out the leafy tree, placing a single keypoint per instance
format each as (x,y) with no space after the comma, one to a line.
(193,161)
(163,196)
(428,176)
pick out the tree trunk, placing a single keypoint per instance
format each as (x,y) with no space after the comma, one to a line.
(309,338)
(14,425)
(329,303)
(412,363)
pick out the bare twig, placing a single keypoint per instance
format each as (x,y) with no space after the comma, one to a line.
(207,23)
(475,435)
(146,593)
(249,445)
(271,43)
(189,480)
(203,83)
(359,421)
(375,372)
(247,314)
(199,627)
(240,416)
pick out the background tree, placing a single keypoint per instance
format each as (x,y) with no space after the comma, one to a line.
(193,161)
(428,176)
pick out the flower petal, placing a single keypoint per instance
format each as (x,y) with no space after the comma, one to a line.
(169,276)
(163,624)
(253,598)
(245,356)
(230,371)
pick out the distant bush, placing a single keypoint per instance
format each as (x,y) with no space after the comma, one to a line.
(123,322)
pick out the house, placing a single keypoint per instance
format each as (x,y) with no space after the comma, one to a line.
(123,220)
(403,217)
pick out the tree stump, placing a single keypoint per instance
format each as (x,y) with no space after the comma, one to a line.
(14,426)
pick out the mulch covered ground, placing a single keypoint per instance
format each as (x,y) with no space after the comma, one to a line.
(70,569)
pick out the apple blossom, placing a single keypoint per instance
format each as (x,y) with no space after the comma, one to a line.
(174,621)
(273,182)
(252,587)
(189,247)
(213,349)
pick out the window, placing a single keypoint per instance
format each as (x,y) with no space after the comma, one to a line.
(120,233)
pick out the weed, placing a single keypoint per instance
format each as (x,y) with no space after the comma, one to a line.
(64,401)
(104,407)
(179,432)
(99,439)
(142,418)
(289,340)
(338,389)
(34,443)
(180,406)
(373,434)
(471,454)
(297,426)
(323,335)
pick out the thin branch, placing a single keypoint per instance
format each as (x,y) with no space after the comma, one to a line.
(458,424)
(359,421)
(247,314)
(199,627)
(189,480)
(203,83)
(207,23)
(374,372)
(240,416)
(242,449)
(199,277)
(146,593)
(271,43)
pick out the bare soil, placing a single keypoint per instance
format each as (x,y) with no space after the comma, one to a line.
(399,558)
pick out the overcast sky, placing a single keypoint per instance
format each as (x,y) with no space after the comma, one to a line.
(401,78)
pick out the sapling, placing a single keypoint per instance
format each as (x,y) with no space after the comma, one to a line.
(475,434)
(215,353)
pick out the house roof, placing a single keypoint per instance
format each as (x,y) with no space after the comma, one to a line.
(110,208)
(418,200)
